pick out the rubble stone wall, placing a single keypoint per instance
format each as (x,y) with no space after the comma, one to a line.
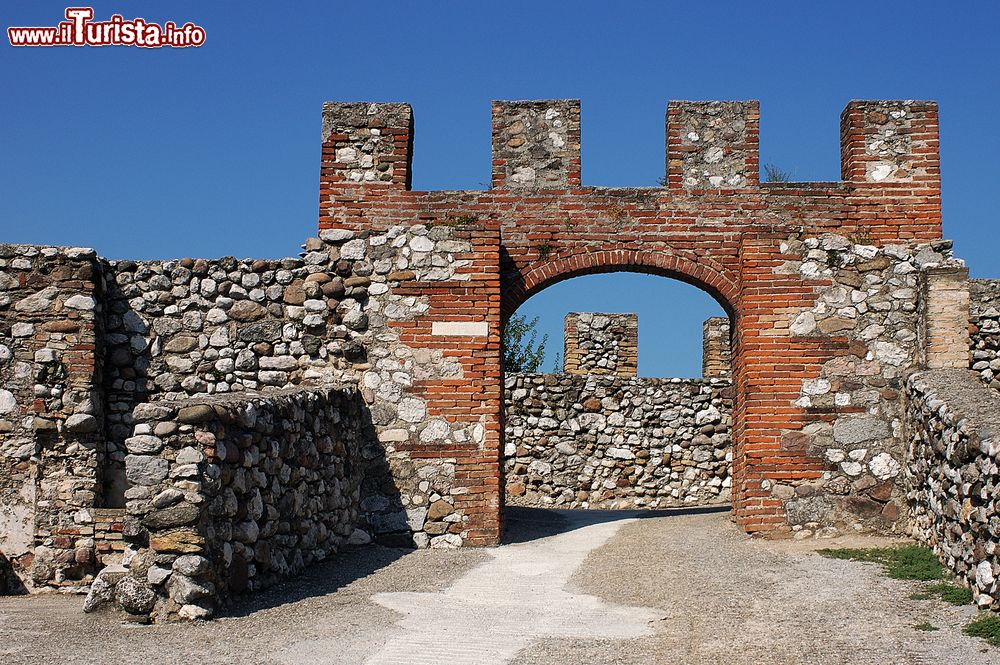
(984,327)
(953,475)
(598,343)
(233,493)
(603,441)
(51,413)
(867,309)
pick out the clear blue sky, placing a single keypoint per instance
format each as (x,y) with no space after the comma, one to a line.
(215,150)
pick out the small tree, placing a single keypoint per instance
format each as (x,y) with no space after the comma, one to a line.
(774,173)
(520,351)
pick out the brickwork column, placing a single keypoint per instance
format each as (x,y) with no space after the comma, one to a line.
(944,318)
(716,354)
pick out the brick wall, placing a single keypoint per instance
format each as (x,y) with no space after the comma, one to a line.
(944,318)
(51,413)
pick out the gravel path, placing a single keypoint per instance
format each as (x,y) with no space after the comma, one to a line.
(683,588)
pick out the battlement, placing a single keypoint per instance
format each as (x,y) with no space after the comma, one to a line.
(710,145)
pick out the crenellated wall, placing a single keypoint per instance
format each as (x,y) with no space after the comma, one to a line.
(404,293)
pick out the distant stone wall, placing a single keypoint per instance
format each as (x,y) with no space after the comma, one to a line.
(598,343)
(952,475)
(615,442)
(716,348)
(234,493)
(984,326)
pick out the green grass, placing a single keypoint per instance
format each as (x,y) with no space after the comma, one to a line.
(986,627)
(906,562)
(926,626)
(951,593)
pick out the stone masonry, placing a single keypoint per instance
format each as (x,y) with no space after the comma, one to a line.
(595,343)
(984,328)
(716,348)
(605,438)
(953,475)
(403,295)
(602,441)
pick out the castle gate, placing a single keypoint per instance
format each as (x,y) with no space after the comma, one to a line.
(792,264)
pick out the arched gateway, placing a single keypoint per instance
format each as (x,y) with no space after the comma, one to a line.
(804,269)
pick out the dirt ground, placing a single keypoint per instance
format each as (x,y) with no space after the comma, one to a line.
(568,587)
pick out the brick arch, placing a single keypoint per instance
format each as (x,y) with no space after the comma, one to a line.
(700,272)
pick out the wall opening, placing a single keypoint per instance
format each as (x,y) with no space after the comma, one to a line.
(629,407)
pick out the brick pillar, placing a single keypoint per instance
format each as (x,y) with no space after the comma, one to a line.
(536,144)
(713,145)
(944,318)
(716,354)
(596,343)
(890,142)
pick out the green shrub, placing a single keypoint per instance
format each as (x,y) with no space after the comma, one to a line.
(986,627)
(906,562)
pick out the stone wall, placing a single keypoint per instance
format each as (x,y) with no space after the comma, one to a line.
(196,326)
(716,348)
(234,493)
(536,144)
(598,343)
(51,413)
(347,309)
(984,327)
(868,310)
(953,477)
(617,442)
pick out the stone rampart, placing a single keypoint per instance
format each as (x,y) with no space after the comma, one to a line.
(602,441)
(953,477)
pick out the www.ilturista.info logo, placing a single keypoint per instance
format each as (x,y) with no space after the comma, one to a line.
(80,30)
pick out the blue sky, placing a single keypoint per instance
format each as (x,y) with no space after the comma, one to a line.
(215,150)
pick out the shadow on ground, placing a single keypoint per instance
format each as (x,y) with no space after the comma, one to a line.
(319,579)
(525,524)
(520,525)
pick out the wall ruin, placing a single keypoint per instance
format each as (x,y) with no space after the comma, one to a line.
(404,293)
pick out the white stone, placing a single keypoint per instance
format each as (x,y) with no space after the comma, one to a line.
(8,404)
(883,466)
(421,244)
(353,250)
(803,324)
(80,302)
(22,330)
(852,468)
(335,235)
(984,574)
(412,410)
